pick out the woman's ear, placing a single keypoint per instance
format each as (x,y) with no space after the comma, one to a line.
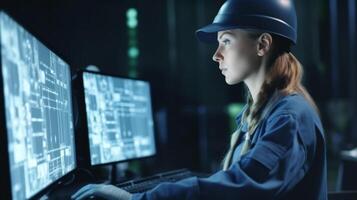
(265,41)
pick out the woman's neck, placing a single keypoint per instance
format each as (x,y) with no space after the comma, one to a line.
(254,83)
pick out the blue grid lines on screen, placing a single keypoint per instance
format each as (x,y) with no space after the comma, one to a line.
(119,118)
(37,89)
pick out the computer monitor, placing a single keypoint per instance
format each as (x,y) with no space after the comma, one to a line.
(37,139)
(119,118)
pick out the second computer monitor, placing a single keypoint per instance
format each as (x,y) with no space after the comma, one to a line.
(119,118)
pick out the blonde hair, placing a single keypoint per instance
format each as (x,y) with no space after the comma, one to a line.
(284,74)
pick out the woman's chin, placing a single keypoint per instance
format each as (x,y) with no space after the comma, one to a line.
(231,81)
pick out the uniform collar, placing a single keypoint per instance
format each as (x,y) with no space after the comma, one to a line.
(274,99)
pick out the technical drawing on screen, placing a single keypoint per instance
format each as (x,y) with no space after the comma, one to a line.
(38,111)
(119,118)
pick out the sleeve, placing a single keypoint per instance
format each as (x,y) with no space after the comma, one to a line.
(268,170)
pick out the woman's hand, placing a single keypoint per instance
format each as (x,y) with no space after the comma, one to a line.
(109,192)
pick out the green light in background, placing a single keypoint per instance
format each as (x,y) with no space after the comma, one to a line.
(131,13)
(133,52)
(133,49)
(132,21)
(233,110)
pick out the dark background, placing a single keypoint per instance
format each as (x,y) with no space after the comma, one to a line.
(190,97)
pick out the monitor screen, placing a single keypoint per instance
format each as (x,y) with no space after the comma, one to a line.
(119,118)
(38,111)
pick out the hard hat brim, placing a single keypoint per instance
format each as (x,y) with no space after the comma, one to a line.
(208,34)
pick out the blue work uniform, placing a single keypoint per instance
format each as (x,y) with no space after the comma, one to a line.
(286,160)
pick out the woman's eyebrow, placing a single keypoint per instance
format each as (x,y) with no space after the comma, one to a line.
(227,32)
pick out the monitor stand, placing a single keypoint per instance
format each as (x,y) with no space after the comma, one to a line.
(120,172)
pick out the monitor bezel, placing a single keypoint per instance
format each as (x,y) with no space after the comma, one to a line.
(84,159)
(6,186)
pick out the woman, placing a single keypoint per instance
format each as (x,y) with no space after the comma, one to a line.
(278,150)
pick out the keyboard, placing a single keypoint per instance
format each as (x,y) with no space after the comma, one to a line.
(145,184)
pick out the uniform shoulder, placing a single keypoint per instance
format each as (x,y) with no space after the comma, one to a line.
(295,105)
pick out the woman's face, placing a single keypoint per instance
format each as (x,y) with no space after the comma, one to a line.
(237,55)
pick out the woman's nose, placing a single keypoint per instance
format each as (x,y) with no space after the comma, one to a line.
(217,56)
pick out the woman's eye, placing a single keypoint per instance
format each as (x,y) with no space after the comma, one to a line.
(226,42)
